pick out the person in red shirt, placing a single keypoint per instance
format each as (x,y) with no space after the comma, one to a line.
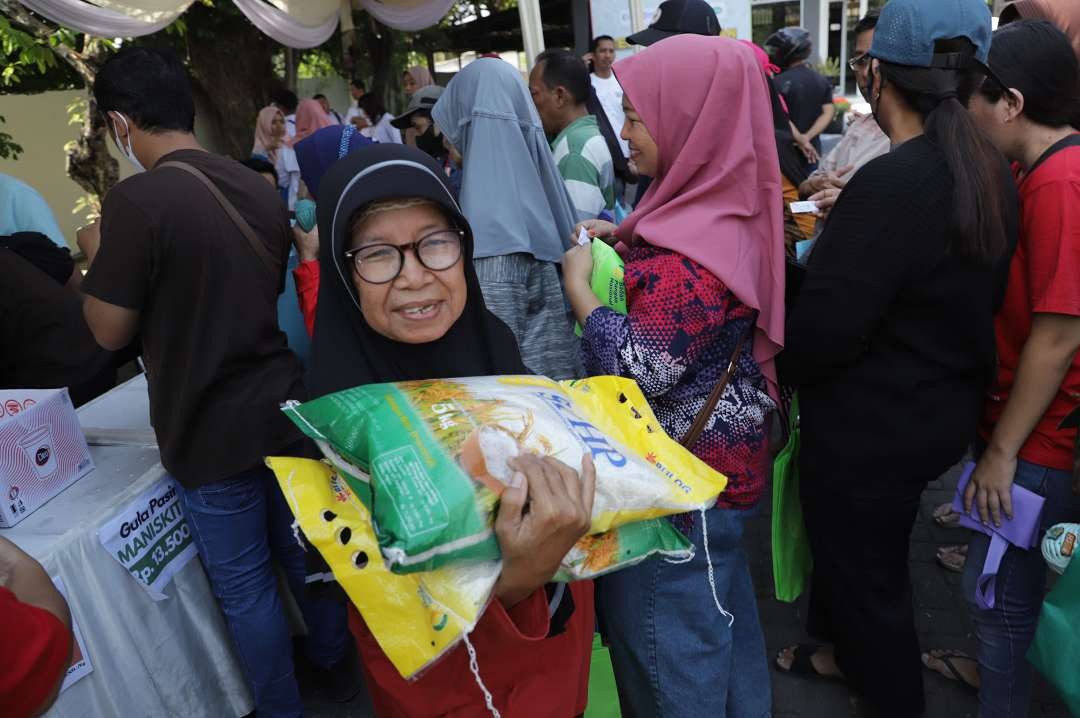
(36,646)
(1037,329)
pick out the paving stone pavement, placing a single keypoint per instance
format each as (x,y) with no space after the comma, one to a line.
(941,618)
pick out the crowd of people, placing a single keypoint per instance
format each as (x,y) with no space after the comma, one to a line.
(928,310)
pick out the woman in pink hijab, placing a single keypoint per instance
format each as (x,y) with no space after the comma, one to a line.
(310,118)
(704,255)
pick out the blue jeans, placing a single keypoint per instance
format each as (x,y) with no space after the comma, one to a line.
(673,652)
(1005,632)
(238,525)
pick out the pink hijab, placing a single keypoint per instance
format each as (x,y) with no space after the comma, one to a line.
(716,197)
(310,118)
(1063,13)
(265,142)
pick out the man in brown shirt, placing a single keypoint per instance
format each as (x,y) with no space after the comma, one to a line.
(171,264)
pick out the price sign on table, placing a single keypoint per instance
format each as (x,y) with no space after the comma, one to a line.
(150,537)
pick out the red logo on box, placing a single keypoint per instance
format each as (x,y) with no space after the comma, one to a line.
(12,407)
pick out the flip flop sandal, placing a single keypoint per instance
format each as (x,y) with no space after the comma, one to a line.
(947,658)
(945,517)
(1059,545)
(952,558)
(802,666)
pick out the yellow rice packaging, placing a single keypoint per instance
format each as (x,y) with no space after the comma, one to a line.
(428,459)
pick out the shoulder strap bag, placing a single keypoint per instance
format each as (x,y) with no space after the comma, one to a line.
(702,419)
(273,265)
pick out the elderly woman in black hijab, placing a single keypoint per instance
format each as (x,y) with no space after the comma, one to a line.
(399,300)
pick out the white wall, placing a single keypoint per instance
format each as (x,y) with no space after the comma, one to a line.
(40,124)
(335,88)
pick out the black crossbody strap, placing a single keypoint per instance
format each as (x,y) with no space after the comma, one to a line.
(718,392)
(273,265)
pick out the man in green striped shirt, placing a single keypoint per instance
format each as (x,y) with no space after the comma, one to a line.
(559,85)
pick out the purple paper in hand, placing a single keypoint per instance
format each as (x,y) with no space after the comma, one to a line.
(1022,531)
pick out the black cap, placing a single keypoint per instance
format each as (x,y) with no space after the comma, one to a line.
(678,17)
(423,99)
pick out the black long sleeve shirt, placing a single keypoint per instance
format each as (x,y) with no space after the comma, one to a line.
(891,339)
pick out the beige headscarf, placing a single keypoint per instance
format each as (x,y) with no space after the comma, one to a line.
(265,142)
(421,76)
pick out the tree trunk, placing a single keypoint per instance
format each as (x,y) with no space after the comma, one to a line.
(231,66)
(380,45)
(292,69)
(89,163)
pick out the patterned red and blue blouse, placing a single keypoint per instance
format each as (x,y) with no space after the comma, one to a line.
(681,328)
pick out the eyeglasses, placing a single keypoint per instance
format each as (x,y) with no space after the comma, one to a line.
(382,263)
(856,62)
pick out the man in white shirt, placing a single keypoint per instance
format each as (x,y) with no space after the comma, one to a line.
(331,113)
(287,101)
(355,115)
(608,90)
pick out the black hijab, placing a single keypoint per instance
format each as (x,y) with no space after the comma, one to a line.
(345,350)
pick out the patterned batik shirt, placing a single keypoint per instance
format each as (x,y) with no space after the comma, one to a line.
(682,327)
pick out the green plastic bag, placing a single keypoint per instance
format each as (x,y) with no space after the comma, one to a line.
(626,546)
(603,694)
(1055,652)
(606,280)
(790,547)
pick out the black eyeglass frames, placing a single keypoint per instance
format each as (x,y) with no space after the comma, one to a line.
(382,263)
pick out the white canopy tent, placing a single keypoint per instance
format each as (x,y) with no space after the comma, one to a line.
(294,23)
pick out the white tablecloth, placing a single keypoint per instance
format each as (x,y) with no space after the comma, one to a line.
(150,658)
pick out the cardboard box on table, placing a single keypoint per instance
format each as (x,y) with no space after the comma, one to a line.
(42,450)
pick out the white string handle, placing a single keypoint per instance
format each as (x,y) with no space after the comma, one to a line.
(475,668)
(708,564)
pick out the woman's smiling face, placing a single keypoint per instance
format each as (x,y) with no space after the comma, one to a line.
(419,305)
(643,151)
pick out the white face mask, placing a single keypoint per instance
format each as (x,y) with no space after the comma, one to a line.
(127,151)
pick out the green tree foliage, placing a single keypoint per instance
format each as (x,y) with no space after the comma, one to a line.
(234,68)
(9,148)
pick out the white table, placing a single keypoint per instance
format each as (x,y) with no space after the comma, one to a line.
(150,658)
